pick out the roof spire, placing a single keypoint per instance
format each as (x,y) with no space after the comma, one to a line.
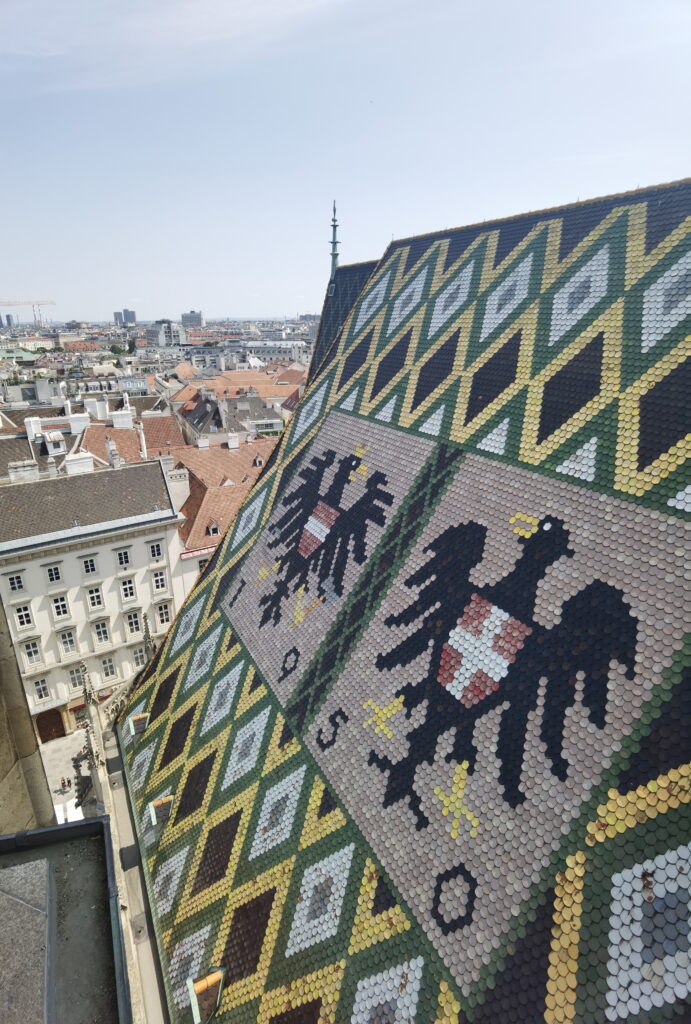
(334,244)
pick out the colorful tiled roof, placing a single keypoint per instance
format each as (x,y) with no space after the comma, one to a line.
(425,716)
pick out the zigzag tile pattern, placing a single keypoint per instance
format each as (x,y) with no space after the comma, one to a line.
(425,717)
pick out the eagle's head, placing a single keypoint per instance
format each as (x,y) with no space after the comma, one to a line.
(544,540)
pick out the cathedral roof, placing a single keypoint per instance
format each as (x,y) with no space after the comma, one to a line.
(424,718)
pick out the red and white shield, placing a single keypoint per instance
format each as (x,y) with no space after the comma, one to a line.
(480,649)
(317,528)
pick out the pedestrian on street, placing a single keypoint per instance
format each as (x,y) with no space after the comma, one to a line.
(62,783)
(69,783)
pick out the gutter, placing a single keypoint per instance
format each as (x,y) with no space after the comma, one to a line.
(110,526)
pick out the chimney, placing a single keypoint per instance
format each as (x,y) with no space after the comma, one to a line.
(113,454)
(202,443)
(67,405)
(32,425)
(22,472)
(78,463)
(126,400)
(79,421)
(178,481)
(51,467)
(122,419)
(233,441)
(142,441)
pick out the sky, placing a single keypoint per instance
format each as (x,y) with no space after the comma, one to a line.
(174,154)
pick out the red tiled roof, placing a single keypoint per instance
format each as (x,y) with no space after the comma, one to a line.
(126,442)
(161,433)
(212,466)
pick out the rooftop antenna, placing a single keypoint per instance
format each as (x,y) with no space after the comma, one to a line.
(334,245)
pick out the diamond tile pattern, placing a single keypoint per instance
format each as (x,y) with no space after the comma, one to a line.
(425,717)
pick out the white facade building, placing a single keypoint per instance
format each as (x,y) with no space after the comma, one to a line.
(83,559)
(164,334)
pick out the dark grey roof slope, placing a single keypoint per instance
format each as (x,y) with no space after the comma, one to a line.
(48,506)
(19,449)
(341,296)
(44,412)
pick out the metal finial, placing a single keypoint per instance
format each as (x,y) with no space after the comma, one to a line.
(334,244)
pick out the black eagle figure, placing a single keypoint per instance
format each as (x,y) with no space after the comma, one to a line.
(319,535)
(486,650)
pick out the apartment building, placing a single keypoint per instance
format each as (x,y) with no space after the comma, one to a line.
(83,559)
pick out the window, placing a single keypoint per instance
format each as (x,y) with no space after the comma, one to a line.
(23,613)
(32,652)
(163,613)
(139,657)
(123,558)
(89,565)
(159,580)
(60,607)
(95,597)
(101,631)
(127,589)
(54,574)
(108,668)
(41,688)
(75,677)
(213,530)
(67,642)
(203,562)
(133,622)
(16,582)
(156,550)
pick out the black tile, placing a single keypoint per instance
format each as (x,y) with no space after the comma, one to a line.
(194,790)
(383,897)
(327,804)
(392,362)
(308,1013)
(435,370)
(665,414)
(217,852)
(177,737)
(163,695)
(246,937)
(492,378)
(355,360)
(571,388)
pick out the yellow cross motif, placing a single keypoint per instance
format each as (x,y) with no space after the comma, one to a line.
(452,803)
(380,715)
(266,570)
(301,613)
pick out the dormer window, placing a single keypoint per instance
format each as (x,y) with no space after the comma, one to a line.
(213,530)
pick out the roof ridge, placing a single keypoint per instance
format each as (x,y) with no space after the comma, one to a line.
(530,213)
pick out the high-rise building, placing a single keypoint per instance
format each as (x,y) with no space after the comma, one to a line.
(129,316)
(9,319)
(165,333)
(193,319)
(117,317)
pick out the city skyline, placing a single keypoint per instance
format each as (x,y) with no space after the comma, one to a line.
(186,155)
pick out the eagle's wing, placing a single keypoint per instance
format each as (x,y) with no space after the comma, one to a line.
(596,629)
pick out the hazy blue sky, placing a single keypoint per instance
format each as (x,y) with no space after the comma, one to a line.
(169,154)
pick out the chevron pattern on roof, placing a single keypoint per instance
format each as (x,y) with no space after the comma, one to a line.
(425,716)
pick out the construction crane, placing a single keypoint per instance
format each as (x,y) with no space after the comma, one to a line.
(34,303)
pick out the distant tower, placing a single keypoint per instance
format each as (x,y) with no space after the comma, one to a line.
(334,245)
